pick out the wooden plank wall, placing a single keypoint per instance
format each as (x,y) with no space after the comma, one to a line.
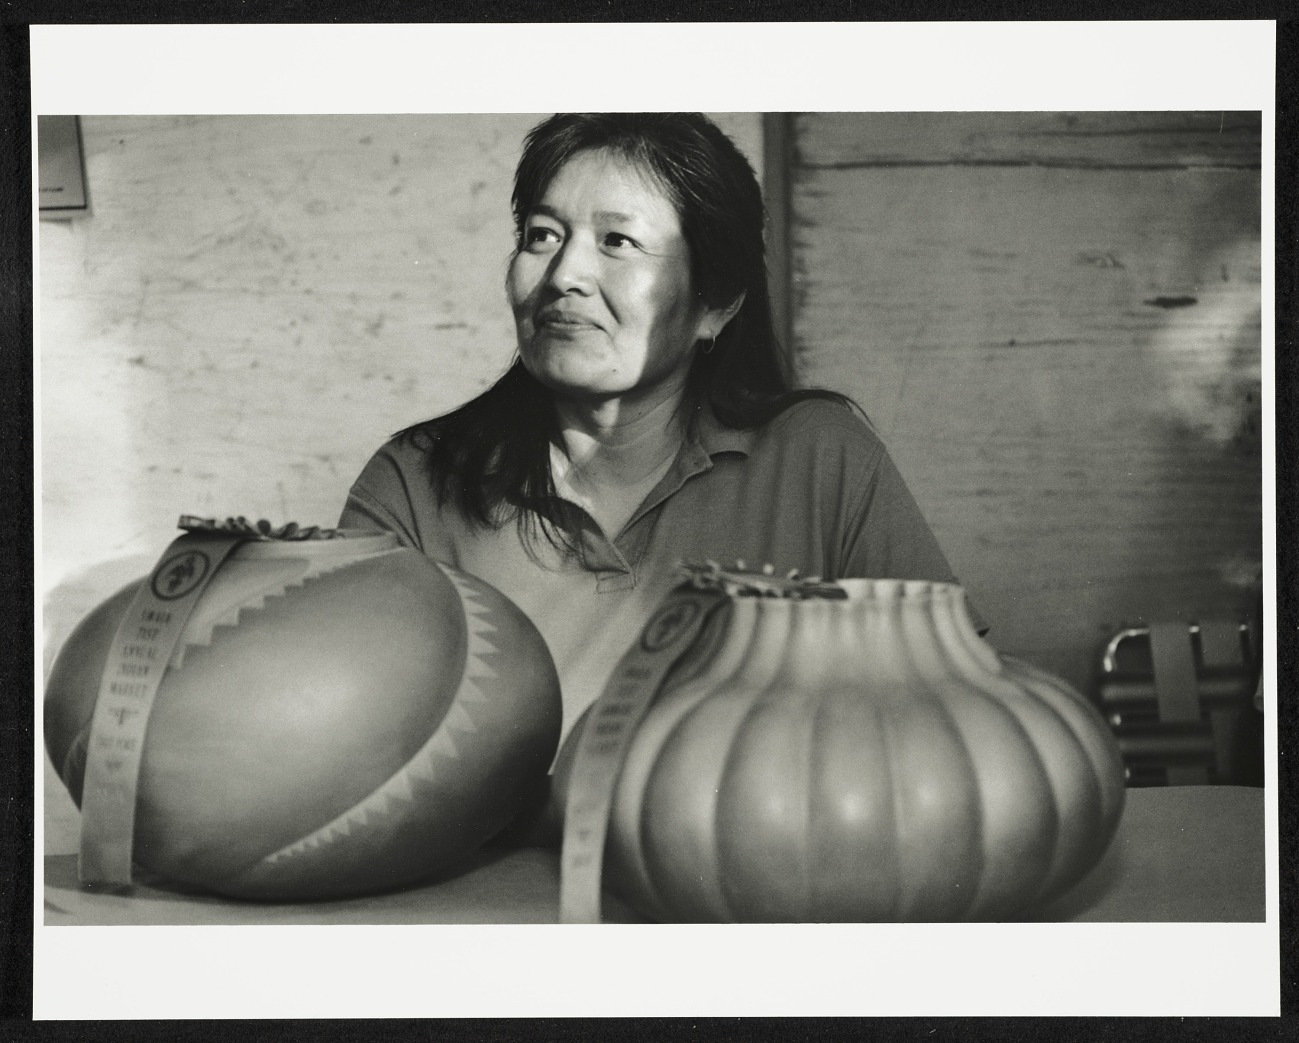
(1054,319)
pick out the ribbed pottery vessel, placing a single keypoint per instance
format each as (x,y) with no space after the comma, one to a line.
(862,758)
(340,716)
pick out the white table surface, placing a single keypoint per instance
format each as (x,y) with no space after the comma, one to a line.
(1189,853)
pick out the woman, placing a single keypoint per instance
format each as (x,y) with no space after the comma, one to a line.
(647,419)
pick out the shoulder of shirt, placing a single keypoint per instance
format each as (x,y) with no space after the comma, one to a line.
(407,447)
(813,424)
(402,459)
(822,423)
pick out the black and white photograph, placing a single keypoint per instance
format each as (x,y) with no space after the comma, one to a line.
(780,529)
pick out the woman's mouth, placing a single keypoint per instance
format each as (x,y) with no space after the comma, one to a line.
(560,322)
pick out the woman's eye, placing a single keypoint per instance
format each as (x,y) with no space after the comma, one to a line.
(618,241)
(539,235)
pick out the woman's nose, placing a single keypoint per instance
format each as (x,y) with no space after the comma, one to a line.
(573,268)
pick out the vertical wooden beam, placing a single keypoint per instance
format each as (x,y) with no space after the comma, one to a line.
(777,177)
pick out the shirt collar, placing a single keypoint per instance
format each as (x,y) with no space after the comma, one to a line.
(713,437)
(709,438)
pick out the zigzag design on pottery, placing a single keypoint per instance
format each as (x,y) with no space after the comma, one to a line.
(259,580)
(391,798)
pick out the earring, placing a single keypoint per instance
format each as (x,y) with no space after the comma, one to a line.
(712,343)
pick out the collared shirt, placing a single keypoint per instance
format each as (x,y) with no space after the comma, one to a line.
(813,490)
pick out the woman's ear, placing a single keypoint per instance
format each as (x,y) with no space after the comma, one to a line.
(715,319)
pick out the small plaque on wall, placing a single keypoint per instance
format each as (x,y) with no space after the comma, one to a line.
(62,169)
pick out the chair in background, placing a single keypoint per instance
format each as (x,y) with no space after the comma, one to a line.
(1184,701)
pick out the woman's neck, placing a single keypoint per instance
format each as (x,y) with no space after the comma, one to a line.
(609,458)
(612,445)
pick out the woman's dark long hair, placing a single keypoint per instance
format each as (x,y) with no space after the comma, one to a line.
(491,456)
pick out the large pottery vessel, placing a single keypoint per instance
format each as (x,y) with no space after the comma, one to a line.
(833,752)
(339,715)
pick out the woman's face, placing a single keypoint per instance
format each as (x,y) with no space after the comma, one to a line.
(600,287)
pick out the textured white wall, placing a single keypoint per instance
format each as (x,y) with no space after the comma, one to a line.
(253,305)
